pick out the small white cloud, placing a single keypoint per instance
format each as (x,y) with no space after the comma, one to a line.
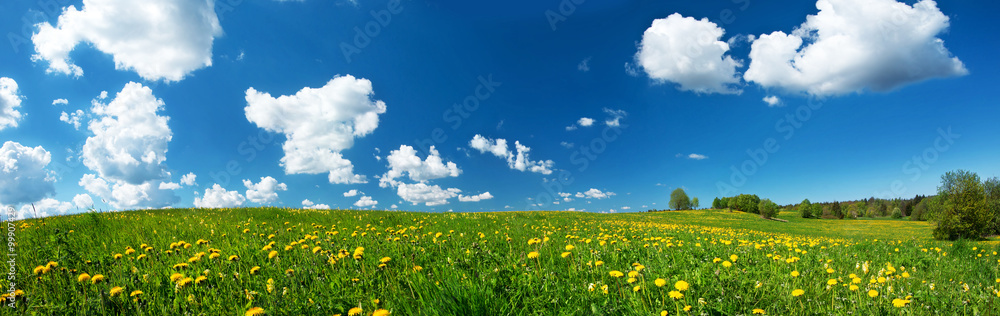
(73,118)
(584,65)
(169,186)
(351,193)
(614,117)
(517,161)
(697,156)
(571,127)
(595,194)
(772,101)
(265,191)
(60,102)
(218,197)
(365,201)
(475,198)
(585,121)
(566,144)
(307,204)
(188,179)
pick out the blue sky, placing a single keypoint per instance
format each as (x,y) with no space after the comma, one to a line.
(885,97)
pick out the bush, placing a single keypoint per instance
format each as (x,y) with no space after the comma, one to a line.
(746,203)
(805,208)
(767,208)
(964,213)
(897,213)
(920,211)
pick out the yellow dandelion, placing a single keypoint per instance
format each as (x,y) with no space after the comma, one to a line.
(598,263)
(616,273)
(254,312)
(254,270)
(115,291)
(759,311)
(900,302)
(135,293)
(570,247)
(83,278)
(381,312)
(795,273)
(853,287)
(681,286)
(727,264)
(200,279)
(633,274)
(359,253)
(184,282)
(831,282)
(533,255)
(97,278)
(798,292)
(176,276)
(385,259)
(660,282)
(354,311)
(873,293)
(417,268)
(39,270)
(664,313)
(675,295)
(733,258)
(272,254)
(636,288)
(566,254)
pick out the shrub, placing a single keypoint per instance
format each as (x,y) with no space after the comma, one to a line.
(805,208)
(964,213)
(767,208)
(897,213)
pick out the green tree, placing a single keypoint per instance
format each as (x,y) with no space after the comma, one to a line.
(726,203)
(805,208)
(920,211)
(767,209)
(694,203)
(897,213)
(836,211)
(716,203)
(991,188)
(679,200)
(964,214)
(747,203)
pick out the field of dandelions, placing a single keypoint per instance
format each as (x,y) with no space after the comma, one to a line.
(272,261)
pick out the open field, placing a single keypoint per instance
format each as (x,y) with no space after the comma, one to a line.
(316,262)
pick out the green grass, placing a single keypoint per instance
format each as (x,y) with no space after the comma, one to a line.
(477,264)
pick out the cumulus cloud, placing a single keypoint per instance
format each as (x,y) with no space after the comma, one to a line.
(688,52)
(188,179)
(60,102)
(23,177)
(614,117)
(595,194)
(351,193)
(128,149)
(45,207)
(307,204)
(430,195)
(405,161)
(10,100)
(697,156)
(83,201)
(218,197)
(319,123)
(475,198)
(265,191)
(772,101)
(585,121)
(517,161)
(856,45)
(73,118)
(566,196)
(365,201)
(159,40)
(169,186)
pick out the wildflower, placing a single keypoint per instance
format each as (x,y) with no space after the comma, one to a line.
(633,274)
(115,291)
(733,258)
(272,254)
(566,254)
(727,264)
(853,287)
(831,282)
(570,247)
(616,273)
(533,255)
(873,293)
(795,273)
(687,308)
(176,276)
(900,302)
(254,312)
(636,288)
(354,311)
(660,282)
(417,268)
(798,292)
(828,270)
(663,313)
(716,260)
(118,256)
(135,293)
(675,295)
(600,263)
(39,270)
(254,270)
(681,286)
(83,278)
(184,282)
(359,253)
(270,285)
(200,279)
(758,311)
(381,312)
(97,278)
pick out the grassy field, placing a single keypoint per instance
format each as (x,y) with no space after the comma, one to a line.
(315,262)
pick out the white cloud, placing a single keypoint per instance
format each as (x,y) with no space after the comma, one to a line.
(394,206)
(160,40)
(23,177)
(614,117)
(566,196)
(365,201)
(73,118)
(45,207)
(519,161)
(584,65)
(430,195)
(128,149)
(585,121)
(566,144)
(83,201)
(169,186)
(625,208)
(307,204)
(772,101)
(405,160)
(9,102)
(351,193)
(60,102)
(319,123)
(218,197)
(697,156)
(265,191)
(595,194)
(856,45)
(475,198)
(571,127)
(688,52)
(188,179)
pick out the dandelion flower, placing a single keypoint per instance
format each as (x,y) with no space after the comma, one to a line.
(115,291)
(176,276)
(682,286)
(570,247)
(900,302)
(354,311)
(873,293)
(636,288)
(853,287)
(39,270)
(660,282)
(675,295)
(533,255)
(727,264)
(733,258)
(381,312)
(798,292)
(663,313)
(385,259)
(83,278)
(135,293)
(254,270)
(254,312)
(272,254)
(359,253)
(600,263)
(566,254)
(795,273)
(417,268)
(758,311)
(616,274)
(831,282)
(200,279)
(184,282)
(97,278)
